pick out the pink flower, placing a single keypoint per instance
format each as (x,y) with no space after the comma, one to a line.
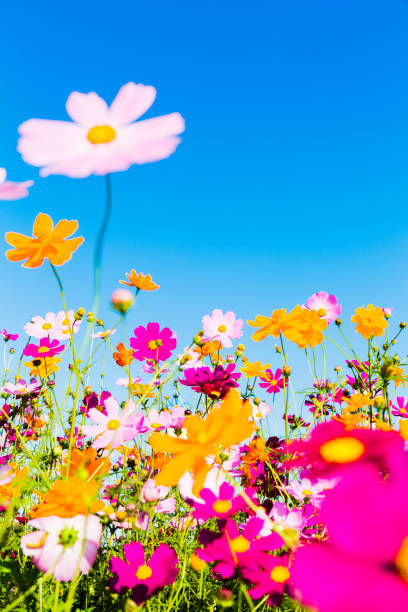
(63,546)
(47,348)
(7,336)
(116,426)
(153,343)
(313,490)
(260,411)
(150,492)
(269,577)
(105,333)
(272,382)
(401,408)
(124,382)
(222,327)
(53,326)
(387,311)
(122,300)
(221,506)
(326,305)
(144,578)
(13,191)
(21,388)
(158,421)
(102,139)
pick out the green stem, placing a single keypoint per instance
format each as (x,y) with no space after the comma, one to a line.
(99,245)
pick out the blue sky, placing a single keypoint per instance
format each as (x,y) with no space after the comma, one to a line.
(291,177)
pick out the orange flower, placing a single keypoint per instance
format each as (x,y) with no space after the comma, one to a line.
(141,390)
(358,401)
(124,356)
(48,242)
(370,321)
(304,327)
(70,497)
(141,281)
(14,488)
(258,451)
(269,326)
(254,369)
(85,465)
(158,460)
(398,376)
(224,426)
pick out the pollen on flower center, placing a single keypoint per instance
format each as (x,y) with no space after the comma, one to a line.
(307,492)
(68,536)
(43,349)
(321,312)
(221,506)
(143,572)
(66,322)
(239,544)
(280,573)
(113,424)
(345,449)
(46,326)
(401,560)
(101,134)
(222,328)
(273,382)
(154,344)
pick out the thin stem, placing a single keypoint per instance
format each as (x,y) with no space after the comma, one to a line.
(99,245)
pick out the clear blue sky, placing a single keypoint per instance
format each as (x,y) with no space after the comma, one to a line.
(291,177)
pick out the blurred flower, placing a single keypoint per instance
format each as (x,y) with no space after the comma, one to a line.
(105,334)
(124,382)
(21,388)
(7,336)
(214,383)
(124,356)
(122,300)
(49,242)
(140,281)
(10,190)
(222,327)
(325,305)
(102,139)
(85,464)
(369,321)
(69,497)
(269,578)
(153,343)
(115,427)
(63,547)
(53,326)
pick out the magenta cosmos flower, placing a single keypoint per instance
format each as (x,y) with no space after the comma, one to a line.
(47,348)
(153,343)
(222,327)
(144,578)
(269,578)
(220,506)
(272,382)
(363,566)
(214,383)
(101,139)
(326,305)
(116,426)
(400,408)
(64,547)
(7,336)
(13,191)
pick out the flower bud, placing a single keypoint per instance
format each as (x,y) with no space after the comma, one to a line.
(337,368)
(379,402)
(198,338)
(122,300)
(90,317)
(241,347)
(256,401)
(338,322)
(278,349)
(402,325)
(286,371)
(99,322)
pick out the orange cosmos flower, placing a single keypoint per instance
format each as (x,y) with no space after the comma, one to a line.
(141,281)
(398,376)
(357,401)
(225,425)
(269,326)
(254,369)
(258,451)
(69,497)
(141,390)
(85,464)
(304,327)
(370,321)
(124,356)
(48,242)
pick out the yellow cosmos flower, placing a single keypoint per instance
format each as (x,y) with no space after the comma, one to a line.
(43,367)
(369,321)
(254,369)
(269,326)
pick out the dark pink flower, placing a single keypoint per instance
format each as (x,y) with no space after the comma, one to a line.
(214,383)
(270,577)
(7,336)
(401,408)
(221,506)
(144,578)
(153,343)
(47,348)
(272,382)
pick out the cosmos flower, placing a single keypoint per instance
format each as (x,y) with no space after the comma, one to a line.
(221,506)
(272,382)
(311,489)
(144,577)
(10,190)
(43,366)
(326,305)
(104,334)
(270,577)
(269,326)
(304,327)
(369,321)
(48,242)
(68,497)
(7,336)
(21,388)
(400,408)
(123,356)
(254,369)
(101,139)
(140,281)
(214,383)
(222,327)
(47,348)
(116,426)
(64,547)
(153,343)
(53,326)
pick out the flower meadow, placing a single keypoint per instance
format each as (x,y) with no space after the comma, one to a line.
(168,490)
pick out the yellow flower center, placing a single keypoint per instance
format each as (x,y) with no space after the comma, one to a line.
(100,134)
(143,572)
(307,492)
(46,326)
(239,544)
(222,328)
(345,449)
(280,573)
(43,349)
(196,563)
(321,312)
(273,382)
(154,344)
(221,506)
(66,322)
(401,560)
(403,410)
(155,425)
(113,424)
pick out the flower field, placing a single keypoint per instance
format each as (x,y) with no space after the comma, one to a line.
(171,490)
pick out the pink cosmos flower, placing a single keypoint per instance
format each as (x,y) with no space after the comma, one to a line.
(13,191)
(122,300)
(222,327)
(286,519)
(153,343)
(150,492)
(269,577)
(116,426)
(260,411)
(221,506)
(47,348)
(63,546)
(400,408)
(7,336)
(101,139)
(311,489)
(53,326)
(272,382)
(21,388)
(105,333)
(387,311)
(144,578)
(124,382)
(158,421)
(233,549)
(363,566)
(213,382)
(327,305)
(6,474)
